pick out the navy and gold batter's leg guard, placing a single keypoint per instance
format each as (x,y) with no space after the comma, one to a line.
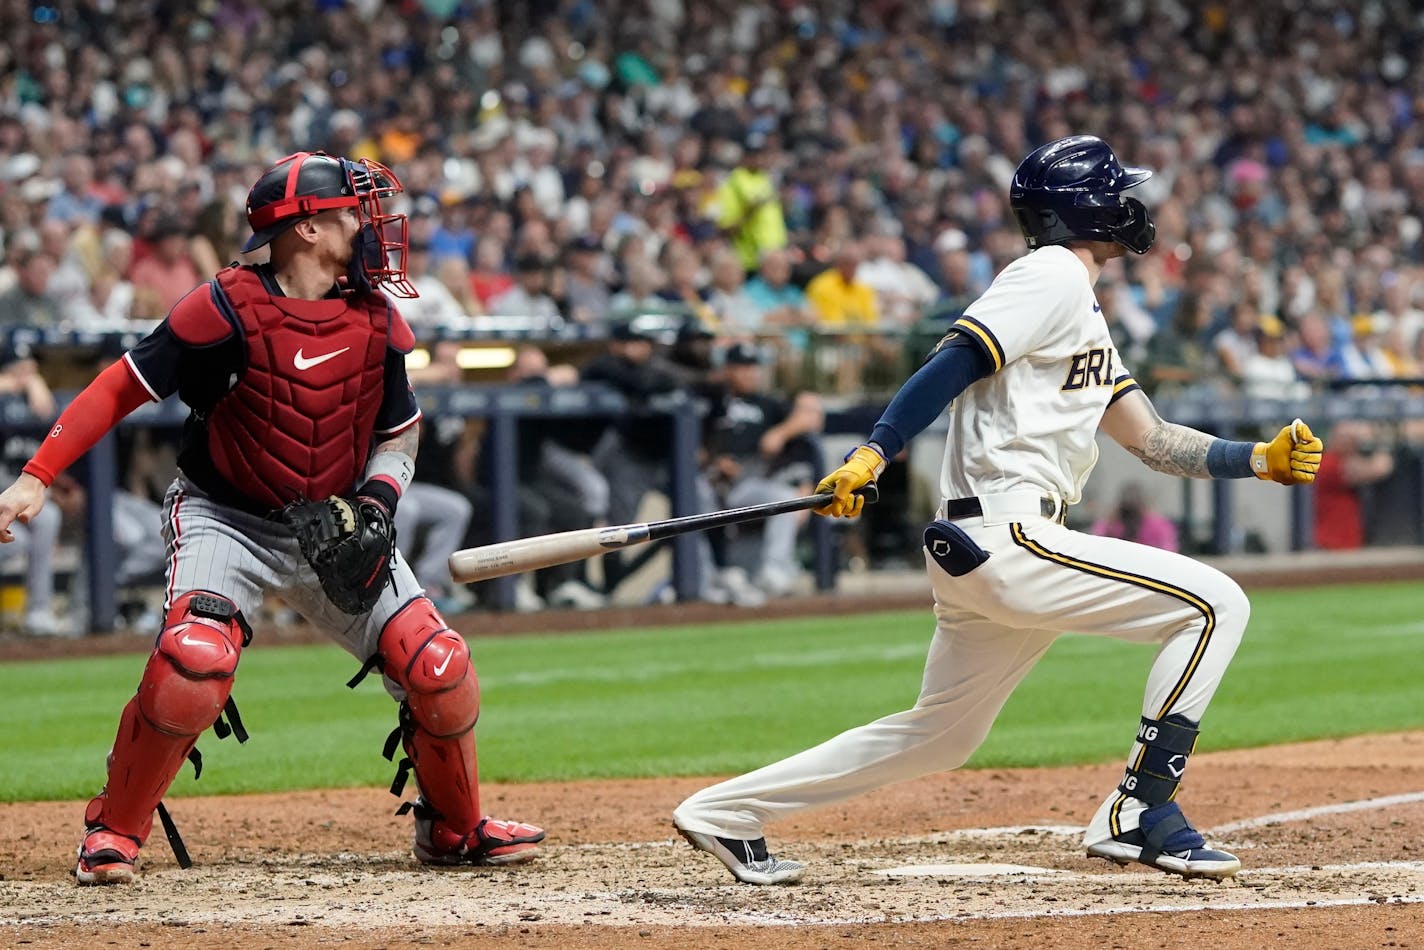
(1163,838)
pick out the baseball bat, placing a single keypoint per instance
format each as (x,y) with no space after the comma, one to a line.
(546,550)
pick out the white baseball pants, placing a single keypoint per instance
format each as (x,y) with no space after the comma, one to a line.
(992,626)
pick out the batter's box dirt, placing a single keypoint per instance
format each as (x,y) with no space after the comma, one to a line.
(1332,845)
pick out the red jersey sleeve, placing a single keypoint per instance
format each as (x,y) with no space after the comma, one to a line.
(115,393)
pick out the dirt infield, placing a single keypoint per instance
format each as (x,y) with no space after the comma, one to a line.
(1331,835)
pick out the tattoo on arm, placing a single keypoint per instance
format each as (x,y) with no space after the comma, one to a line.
(406,441)
(1174,450)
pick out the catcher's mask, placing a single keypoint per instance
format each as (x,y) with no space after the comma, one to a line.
(305,183)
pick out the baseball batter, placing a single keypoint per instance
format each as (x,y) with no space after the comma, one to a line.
(1030,374)
(295,375)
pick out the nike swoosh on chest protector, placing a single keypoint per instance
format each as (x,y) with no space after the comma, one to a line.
(302,362)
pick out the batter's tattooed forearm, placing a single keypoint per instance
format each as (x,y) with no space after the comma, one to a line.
(1174,450)
(406,441)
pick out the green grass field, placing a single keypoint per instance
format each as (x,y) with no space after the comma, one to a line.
(724,698)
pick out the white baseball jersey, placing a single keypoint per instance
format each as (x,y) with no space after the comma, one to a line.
(1031,423)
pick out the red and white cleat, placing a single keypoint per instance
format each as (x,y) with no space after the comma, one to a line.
(106,857)
(493,842)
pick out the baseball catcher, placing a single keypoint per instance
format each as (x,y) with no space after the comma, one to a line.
(294,372)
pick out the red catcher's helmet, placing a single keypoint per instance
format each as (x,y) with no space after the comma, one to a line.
(305,183)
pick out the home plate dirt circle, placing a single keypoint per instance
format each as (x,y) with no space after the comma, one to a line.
(1330,834)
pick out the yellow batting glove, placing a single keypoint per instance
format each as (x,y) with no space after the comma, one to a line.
(862,467)
(1291,458)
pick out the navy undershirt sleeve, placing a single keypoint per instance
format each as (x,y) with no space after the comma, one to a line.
(957,364)
(398,403)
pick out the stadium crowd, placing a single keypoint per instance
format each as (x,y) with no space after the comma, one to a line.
(778,172)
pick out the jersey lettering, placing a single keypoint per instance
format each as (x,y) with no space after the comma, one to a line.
(1094,365)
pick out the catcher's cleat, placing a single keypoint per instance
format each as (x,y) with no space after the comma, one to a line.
(1165,840)
(493,842)
(106,857)
(749,861)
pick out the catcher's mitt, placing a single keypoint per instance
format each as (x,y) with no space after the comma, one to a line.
(349,543)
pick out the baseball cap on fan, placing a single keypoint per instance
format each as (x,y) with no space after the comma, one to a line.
(742,354)
(296,187)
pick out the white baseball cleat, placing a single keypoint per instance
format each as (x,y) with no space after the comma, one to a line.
(1165,840)
(749,861)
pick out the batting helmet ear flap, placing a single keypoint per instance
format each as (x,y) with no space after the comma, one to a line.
(1137,233)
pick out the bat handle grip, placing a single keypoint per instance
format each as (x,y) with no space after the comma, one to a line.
(870,492)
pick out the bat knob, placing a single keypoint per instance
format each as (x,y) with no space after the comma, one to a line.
(870,492)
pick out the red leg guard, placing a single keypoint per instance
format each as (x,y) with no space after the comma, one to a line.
(432,664)
(183,690)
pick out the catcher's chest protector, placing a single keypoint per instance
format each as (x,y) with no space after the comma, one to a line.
(299,421)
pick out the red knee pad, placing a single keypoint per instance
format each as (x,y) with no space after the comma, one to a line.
(432,664)
(184,687)
(189,676)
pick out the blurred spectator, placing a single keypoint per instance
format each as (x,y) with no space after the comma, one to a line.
(1134,519)
(454,275)
(727,296)
(529,297)
(640,294)
(1268,373)
(1397,308)
(958,287)
(489,279)
(69,284)
(748,206)
(78,201)
(162,278)
(1237,344)
(761,449)
(773,300)
(110,300)
(28,303)
(1317,359)
(684,281)
(903,292)
(1177,357)
(1356,459)
(838,298)
(586,281)
(1364,357)
(435,305)
(1400,354)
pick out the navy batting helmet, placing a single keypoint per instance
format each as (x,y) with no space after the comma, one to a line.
(1072,190)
